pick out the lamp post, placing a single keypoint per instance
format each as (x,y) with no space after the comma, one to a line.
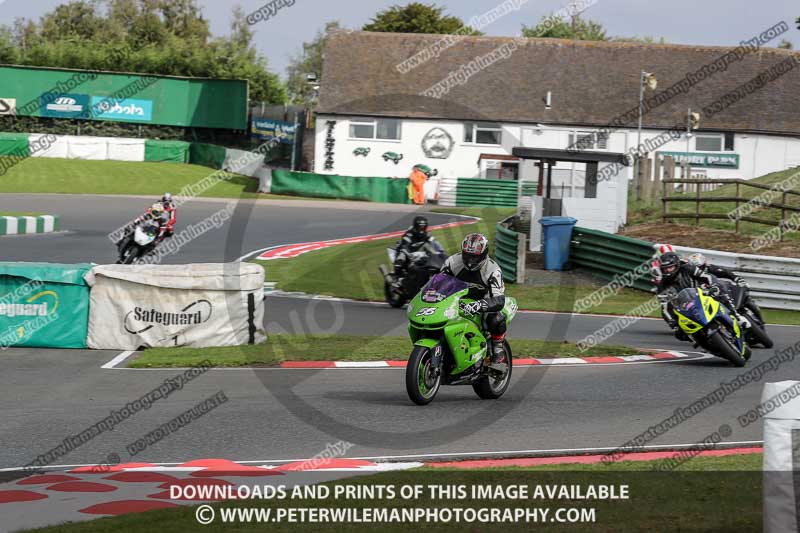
(645,79)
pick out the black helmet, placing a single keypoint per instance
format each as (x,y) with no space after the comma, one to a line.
(474,251)
(420,226)
(669,263)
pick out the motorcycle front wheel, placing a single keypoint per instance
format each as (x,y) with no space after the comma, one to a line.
(722,347)
(422,380)
(130,254)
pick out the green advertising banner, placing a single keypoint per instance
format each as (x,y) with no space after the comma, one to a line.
(44,305)
(168,101)
(705,159)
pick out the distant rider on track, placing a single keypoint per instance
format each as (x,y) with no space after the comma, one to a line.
(412,241)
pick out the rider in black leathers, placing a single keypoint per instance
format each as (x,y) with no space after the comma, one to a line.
(678,275)
(700,261)
(412,241)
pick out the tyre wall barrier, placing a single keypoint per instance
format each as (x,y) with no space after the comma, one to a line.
(609,256)
(43,305)
(509,252)
(308,184)
(199,305)
(774,281)
(477,192)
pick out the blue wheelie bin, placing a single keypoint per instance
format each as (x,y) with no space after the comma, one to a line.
(556,234)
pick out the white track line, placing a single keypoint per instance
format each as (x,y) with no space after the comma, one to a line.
(700,357)
(506,453)
(118,359)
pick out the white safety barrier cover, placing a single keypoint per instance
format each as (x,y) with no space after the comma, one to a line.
(58,148)
(206,304)
(94,148)
(242,162)
(126,149)
(780,405)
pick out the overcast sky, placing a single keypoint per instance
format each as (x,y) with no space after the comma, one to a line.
(716,22)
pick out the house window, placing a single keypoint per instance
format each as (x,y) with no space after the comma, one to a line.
(589,140)
(483,133)
(708,142)
(382,128)
(729,141)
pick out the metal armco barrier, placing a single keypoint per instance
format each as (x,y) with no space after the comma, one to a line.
(477,192)
(608,255)
(774,281)
(509,252)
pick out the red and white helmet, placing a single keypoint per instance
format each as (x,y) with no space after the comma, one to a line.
(474,251)
(664,248)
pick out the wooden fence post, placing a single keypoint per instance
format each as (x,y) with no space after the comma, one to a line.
(697,204)
(783,215)
(737,207)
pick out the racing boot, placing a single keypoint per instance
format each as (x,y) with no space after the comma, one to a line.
(498,360)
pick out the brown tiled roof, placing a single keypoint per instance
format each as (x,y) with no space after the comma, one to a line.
(591,82)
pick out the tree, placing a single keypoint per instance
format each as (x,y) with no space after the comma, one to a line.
(166,37)
(308,61)
(417,17)
(558,28)
(785,44)
(646,39)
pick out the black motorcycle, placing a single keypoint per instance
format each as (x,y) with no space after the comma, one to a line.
(422,265)
(745,306)
(138,243)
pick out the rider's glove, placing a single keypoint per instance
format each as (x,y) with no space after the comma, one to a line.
(741,282)
(713,290)
(472,308)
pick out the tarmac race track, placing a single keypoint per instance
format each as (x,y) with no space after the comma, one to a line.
(282,414)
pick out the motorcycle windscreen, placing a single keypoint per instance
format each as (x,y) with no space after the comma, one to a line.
(440,287)
(689,305)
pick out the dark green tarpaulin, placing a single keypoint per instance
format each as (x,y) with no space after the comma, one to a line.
(390,190)
(166,151)
(208,155)
(14,144)
(44,305)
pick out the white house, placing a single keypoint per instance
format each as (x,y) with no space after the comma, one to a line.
(548,93)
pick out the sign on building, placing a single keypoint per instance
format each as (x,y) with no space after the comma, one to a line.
(705,159)
(269,129)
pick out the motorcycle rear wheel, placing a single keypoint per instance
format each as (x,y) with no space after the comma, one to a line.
(422,380)
(720,346)
(757,331)
(488,388)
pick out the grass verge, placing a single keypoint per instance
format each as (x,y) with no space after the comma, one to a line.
(698,498)
(351,270)
(76,176)
(281,348)
(644,219)
(20,214)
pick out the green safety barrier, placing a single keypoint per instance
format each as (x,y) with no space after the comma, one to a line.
(208,155)
(166,151)
(390,190)
(478,192)
(608,255)
(14,144)
(44,305)
(507,245)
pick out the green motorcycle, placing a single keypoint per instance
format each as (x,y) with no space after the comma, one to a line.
(450,347)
